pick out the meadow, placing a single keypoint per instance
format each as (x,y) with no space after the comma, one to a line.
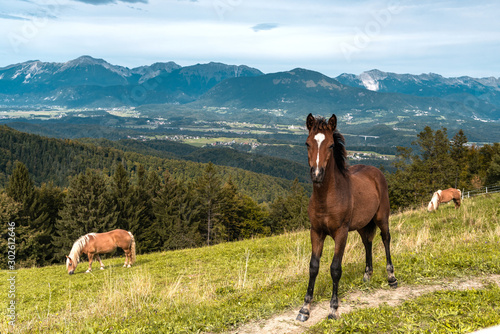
(215,289)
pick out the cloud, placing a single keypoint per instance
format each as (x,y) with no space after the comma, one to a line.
(264,26)
(106,2)
(12,17)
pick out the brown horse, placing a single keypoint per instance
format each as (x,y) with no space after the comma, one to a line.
(94,244)
(444,196)
(343,199)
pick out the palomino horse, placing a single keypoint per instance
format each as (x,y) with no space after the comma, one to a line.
(94,244)
(444,196)
(343,199)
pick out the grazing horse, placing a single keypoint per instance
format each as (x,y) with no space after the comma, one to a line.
(343,199)
(94,244)
(444,196)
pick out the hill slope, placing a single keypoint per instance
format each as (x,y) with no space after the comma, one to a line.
(257,163)
(213,289)
(50,159)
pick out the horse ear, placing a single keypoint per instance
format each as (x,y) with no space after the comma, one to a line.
(332,122)
(310,121)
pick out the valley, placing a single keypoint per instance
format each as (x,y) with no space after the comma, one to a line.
(277,140)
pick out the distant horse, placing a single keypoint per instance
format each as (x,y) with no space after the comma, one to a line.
(94,244)
(444,196)
(343,199)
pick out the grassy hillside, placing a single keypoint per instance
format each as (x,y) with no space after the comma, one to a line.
(213,289)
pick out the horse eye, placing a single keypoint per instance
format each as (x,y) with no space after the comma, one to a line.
(331,147)
(307,145)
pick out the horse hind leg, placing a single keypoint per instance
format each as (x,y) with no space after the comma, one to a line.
(128,261)
(386,238)
(100,261)
(336,271)
(382,221)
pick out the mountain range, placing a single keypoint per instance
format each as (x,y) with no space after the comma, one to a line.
(479,93)
(89,82)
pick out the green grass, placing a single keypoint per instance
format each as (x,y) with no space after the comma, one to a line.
(216,288)
(437,312)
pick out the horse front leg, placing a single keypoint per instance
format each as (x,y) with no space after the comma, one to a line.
(317,241)
(367,234)
(91,257)
(336,270)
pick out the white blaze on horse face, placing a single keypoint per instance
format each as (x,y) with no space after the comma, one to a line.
(319,139)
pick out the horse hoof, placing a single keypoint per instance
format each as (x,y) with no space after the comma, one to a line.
(102,268)
(302,317)
(393,284)
(129,266)
(332,317)
(88,271)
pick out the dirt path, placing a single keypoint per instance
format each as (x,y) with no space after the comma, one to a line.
(285,322)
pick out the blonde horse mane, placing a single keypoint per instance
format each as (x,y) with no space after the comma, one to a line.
(77,248)
(434,203)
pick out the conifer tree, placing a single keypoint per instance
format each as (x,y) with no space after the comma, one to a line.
(142,214)
(148,233)
(459,157)
(290,212)
(493,172)
(176,221)
(121,193)
(50,201)
(208,188)
(20,187)
(254,219)
(231,207)
(88,207)
(153,183)
(165,212)
(184,217)
(32,220)
(8,211)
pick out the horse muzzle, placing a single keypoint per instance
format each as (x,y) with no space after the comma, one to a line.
(71,272)
(317,174)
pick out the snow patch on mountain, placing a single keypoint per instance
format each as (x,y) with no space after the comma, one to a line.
(369,82)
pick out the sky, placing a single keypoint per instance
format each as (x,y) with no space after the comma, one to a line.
(451,38)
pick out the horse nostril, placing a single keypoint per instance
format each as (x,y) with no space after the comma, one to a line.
(317,174)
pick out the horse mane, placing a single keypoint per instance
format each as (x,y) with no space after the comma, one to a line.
(78,246)
(339,151)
